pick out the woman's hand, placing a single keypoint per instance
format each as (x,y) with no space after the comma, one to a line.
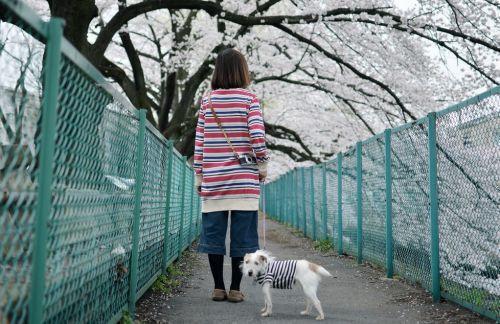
(262,176)
(262,171)
(198,181)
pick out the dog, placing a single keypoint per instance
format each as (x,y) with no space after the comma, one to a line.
(271,273)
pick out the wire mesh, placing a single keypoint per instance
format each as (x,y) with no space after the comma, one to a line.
(468,177)
(468,164)
(318,201)
(175,206)
(374,232)
(20,102)
(349,215)
(153,208)
(331,196)
(410,203)
(188,190)
(308,185)
(89,240)
(89,227)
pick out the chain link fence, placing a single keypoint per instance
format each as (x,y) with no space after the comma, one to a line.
(422,200)
(95,203)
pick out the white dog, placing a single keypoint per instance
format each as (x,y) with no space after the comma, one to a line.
(272,273)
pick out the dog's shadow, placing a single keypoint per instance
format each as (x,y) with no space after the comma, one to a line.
(291,317)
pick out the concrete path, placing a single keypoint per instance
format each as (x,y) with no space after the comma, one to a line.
(355,294)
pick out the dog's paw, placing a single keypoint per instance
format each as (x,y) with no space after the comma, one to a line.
(320,317)
(263,309)
(304,312)
(265,314)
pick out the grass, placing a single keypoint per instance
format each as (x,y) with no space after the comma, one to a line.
(323,246)
(165,283)
(126,318)
(297,232)
(475,296)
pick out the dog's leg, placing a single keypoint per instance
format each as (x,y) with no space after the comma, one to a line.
(308,302)
(267,296)
(321,315)
(308,307)
(311,293)
(265,307)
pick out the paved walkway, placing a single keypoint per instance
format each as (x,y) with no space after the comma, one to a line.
(355,294)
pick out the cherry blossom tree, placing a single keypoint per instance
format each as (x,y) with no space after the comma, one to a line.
(328,73)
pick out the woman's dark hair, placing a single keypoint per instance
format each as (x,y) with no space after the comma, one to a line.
(231,70)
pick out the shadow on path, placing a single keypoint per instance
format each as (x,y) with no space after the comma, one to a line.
(355,294)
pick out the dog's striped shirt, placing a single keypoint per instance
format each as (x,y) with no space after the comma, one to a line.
(280,274)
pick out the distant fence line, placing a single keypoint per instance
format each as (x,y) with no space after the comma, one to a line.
(421,200)
(95,203)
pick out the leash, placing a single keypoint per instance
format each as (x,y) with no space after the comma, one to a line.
(264,213)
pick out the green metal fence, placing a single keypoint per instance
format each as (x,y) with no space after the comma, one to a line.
(421,200)
(95,203)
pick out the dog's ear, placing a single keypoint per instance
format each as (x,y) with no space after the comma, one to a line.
(262,258)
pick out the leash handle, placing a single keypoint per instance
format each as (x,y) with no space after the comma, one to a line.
(264,213)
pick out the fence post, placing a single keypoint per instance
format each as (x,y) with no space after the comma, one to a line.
(183,196)
(286,193)
(339,203)
(359,198)
(297,213)
(167,209)
(45,174)
(191,208)
(433,196)
(388,205)
(288,189)
(198,216)
(324,214)
(313,207)
(134,258)
(304,213)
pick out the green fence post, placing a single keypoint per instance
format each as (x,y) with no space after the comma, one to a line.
(295,204)
(134,258)
(433,196)
(47,147)
(183,196)
(200,214)
(339,203)
(359,198)
(191,209)
(279,200)
(167,209)
(388,205)
(313,207)
(290,198)
(324,214)
(304,213)
(287,198)
(294,201)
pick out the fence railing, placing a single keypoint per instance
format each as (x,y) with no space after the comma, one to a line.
(421,200)
(95,203)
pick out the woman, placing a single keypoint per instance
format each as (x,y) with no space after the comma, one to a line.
(230,158)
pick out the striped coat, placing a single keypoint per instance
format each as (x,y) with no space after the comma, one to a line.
(280,274)
(225,184)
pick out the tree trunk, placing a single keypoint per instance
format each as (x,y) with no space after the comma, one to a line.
(77,15)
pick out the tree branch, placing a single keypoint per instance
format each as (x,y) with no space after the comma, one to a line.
(283,132)
(350,67)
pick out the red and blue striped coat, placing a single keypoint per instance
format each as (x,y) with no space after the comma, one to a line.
(225,184)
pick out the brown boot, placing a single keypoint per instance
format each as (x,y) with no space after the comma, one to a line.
(219,295)
(235,296)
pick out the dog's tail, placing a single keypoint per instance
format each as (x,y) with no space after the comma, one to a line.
(320,270)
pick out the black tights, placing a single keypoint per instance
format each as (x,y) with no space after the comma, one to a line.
(217,266)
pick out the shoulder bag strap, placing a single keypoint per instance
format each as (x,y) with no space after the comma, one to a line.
(220,125)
